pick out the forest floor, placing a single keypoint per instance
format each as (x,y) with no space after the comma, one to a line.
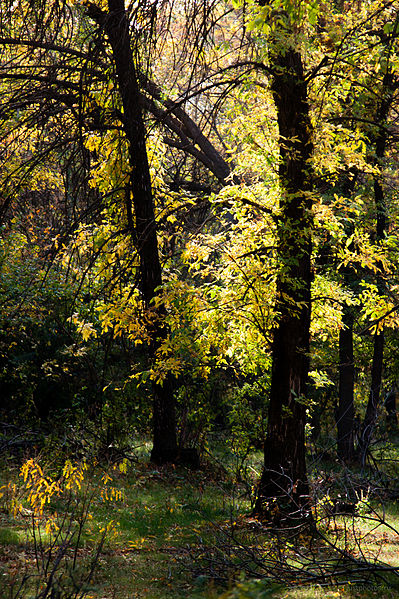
(175,533)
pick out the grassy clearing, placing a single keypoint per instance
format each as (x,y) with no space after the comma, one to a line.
(167,524)
(163,513)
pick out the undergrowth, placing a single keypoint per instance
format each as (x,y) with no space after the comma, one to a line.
(132,530)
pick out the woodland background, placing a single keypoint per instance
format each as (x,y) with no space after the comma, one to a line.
(199,291)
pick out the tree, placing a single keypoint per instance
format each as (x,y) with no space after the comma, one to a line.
(116,26)
(75,81)
(389,86)
(345,410)
(155,142)
(363,115)
(284,475)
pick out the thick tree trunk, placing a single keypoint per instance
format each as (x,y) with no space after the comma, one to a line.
(116,26)
(283,488)
(346,412)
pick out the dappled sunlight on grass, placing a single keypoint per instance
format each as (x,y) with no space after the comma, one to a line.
(173,530)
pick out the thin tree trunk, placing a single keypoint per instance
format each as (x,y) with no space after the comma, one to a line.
(390,406)
(346,411)
(283,489)
(370,418)
(345,417)
(374,397)
(116,26)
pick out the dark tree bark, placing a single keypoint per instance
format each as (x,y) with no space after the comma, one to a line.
(346,411)
(374,397)
(191,138)
(345,416)
(116,26)
(390,406)
(139,202)
(388,88)
(283,488)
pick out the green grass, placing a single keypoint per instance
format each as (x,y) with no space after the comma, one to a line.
(166,515)
(164,512)
(9,537)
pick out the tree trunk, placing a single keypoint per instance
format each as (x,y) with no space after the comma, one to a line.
(116,26)
(390,406)
(388,88)
(374,397)
(283,488)
(346,411)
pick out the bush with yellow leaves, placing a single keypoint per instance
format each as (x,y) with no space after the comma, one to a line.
(56,513)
